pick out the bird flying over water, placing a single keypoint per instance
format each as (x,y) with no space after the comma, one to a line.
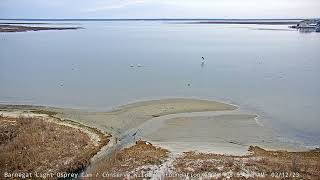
(134,134)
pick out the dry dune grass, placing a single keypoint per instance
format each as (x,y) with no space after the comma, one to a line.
(307,164)
(261,164)
(29,145)
(144,158)
(131,161)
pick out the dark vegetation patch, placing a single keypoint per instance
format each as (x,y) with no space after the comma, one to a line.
(20,28)
(41,111)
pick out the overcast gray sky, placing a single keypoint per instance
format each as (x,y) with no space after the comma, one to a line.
(159,8)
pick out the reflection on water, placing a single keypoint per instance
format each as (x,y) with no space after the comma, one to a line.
(271,73)
(307,30)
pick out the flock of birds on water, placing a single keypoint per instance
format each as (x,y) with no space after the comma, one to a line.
(139,65)
(203,61)
(202,65)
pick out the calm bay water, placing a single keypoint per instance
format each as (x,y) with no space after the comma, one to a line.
(272,73)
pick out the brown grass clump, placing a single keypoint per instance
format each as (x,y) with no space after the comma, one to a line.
(34,145)
(304,163)
(133,159)
(196,163)
(8,130)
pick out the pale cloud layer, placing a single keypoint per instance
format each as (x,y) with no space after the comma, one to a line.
(159,8)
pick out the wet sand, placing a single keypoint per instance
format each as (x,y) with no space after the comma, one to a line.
(127,117)
(181,125)
(224,133)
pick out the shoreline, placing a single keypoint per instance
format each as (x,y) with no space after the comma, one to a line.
(130,122)
(79,114)
(113,107)
(120,131)
(245,22)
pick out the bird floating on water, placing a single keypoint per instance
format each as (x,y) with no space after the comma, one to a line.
(203,61)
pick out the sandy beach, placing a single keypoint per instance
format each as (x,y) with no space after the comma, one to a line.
(222,134)
(125,118)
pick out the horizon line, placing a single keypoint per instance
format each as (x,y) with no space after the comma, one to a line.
(136,19)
